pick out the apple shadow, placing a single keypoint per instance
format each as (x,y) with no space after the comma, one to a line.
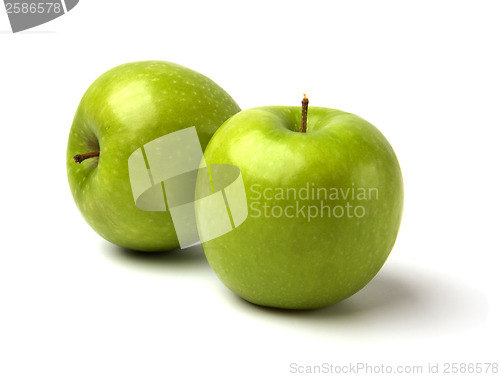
(402,300)
(180,260)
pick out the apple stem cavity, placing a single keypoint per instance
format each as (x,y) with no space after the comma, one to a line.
(82,157)
(303,124)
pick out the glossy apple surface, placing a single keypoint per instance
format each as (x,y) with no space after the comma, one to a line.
(291,251)
(126,107)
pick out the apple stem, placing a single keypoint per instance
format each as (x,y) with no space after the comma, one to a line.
(305,104)
(82,157)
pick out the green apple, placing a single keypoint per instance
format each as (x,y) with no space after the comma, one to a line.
(125,108)
(324,205)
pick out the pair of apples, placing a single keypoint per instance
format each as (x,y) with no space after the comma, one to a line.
(324,188)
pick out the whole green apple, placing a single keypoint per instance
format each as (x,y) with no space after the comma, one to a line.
(125,108)
(325,199)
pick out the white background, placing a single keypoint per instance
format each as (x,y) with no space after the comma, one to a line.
(426,73)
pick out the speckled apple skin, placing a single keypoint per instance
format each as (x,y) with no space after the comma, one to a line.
(292,262)
(125,108)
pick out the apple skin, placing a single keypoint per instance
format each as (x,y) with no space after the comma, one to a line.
(290,262)
(126,107)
